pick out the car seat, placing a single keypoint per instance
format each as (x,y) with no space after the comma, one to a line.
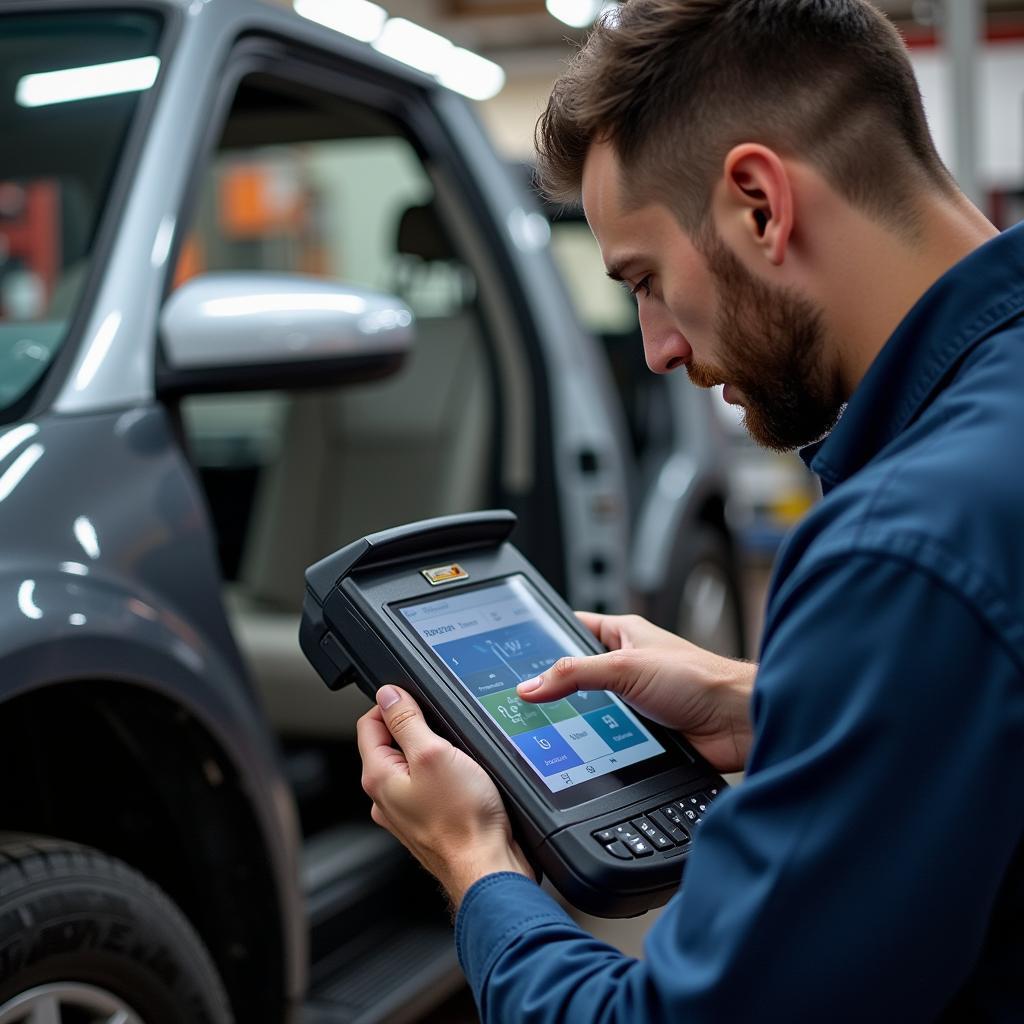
(356,460)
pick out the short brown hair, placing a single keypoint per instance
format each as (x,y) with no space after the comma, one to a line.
(673,85)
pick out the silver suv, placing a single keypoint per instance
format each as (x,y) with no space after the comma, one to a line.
(262,290)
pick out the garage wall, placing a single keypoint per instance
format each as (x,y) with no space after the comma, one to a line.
(511,115)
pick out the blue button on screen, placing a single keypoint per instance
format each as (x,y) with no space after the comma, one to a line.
(615,728)
(547,750)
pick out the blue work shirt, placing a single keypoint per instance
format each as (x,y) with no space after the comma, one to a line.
(869,868)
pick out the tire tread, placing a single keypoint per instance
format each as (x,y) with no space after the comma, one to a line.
(31,864)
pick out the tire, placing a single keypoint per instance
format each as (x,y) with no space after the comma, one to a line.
(706,606)
(85,938)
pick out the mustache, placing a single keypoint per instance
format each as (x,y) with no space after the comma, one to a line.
(704,375)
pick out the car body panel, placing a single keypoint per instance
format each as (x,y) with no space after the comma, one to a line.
(114,577)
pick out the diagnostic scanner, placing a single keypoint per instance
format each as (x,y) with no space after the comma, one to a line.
(605,802)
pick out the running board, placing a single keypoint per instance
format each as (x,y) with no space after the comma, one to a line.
(392,973)
(381,947)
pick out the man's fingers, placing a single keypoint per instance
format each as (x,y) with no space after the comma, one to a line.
(592,620)
(405,722)
(380,818)
(611,671)
(614,631)
(380,759)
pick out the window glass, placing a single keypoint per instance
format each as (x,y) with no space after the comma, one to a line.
(63,132)
(351,201)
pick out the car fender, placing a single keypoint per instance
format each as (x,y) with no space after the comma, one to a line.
(58,627)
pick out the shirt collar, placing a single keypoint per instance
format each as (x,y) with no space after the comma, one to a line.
(971,300)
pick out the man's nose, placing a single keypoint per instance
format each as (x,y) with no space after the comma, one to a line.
(665,348)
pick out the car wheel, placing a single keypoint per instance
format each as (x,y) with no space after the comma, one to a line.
(708,607)
(85,939)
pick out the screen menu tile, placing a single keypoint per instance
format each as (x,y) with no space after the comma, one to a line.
(490,639)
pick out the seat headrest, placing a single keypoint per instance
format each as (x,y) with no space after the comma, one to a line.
(421,233)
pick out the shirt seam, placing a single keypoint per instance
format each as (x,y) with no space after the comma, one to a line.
(840,555)
(873,499)
(997,316)
(973,334)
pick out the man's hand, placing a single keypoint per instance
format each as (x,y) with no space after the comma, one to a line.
(702,695)
(434,798)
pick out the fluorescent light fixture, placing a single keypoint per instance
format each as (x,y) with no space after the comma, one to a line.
(472,75)
(87,83)
(356,18)
(414,45)
(578,13)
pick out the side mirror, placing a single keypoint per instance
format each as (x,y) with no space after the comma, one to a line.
(258,331)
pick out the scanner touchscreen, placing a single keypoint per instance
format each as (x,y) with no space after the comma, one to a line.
(492,637)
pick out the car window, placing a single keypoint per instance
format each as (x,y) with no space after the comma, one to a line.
(69,85)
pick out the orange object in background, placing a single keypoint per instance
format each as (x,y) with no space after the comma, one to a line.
(191,262)
(255,202)
(30,228)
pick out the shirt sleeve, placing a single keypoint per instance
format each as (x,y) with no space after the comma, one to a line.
(854,873)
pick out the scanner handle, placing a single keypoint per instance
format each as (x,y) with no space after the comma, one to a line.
(422,539)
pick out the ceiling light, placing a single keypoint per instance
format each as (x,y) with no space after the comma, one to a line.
(578,13)
(414,45)
(359,19)
(87,83)
(472,75)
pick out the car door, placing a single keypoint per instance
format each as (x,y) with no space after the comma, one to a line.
(331,171)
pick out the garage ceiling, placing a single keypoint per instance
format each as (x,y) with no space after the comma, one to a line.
(498,27)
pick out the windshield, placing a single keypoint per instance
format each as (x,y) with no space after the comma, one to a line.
(69,85)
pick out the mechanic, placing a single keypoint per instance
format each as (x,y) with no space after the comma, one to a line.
(760,175)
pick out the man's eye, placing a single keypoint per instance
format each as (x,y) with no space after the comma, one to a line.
(643,286)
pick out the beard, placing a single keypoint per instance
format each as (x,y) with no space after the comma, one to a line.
(772,345)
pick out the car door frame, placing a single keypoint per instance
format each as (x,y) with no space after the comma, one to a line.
(409,105)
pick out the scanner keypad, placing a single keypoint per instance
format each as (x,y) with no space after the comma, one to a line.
(661,829)
(655,836)
(619,850)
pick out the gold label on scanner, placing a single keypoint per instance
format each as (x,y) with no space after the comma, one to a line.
(444,574)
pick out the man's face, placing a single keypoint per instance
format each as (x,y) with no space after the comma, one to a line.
(701,308)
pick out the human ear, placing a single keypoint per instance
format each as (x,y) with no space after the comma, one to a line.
(754,202)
